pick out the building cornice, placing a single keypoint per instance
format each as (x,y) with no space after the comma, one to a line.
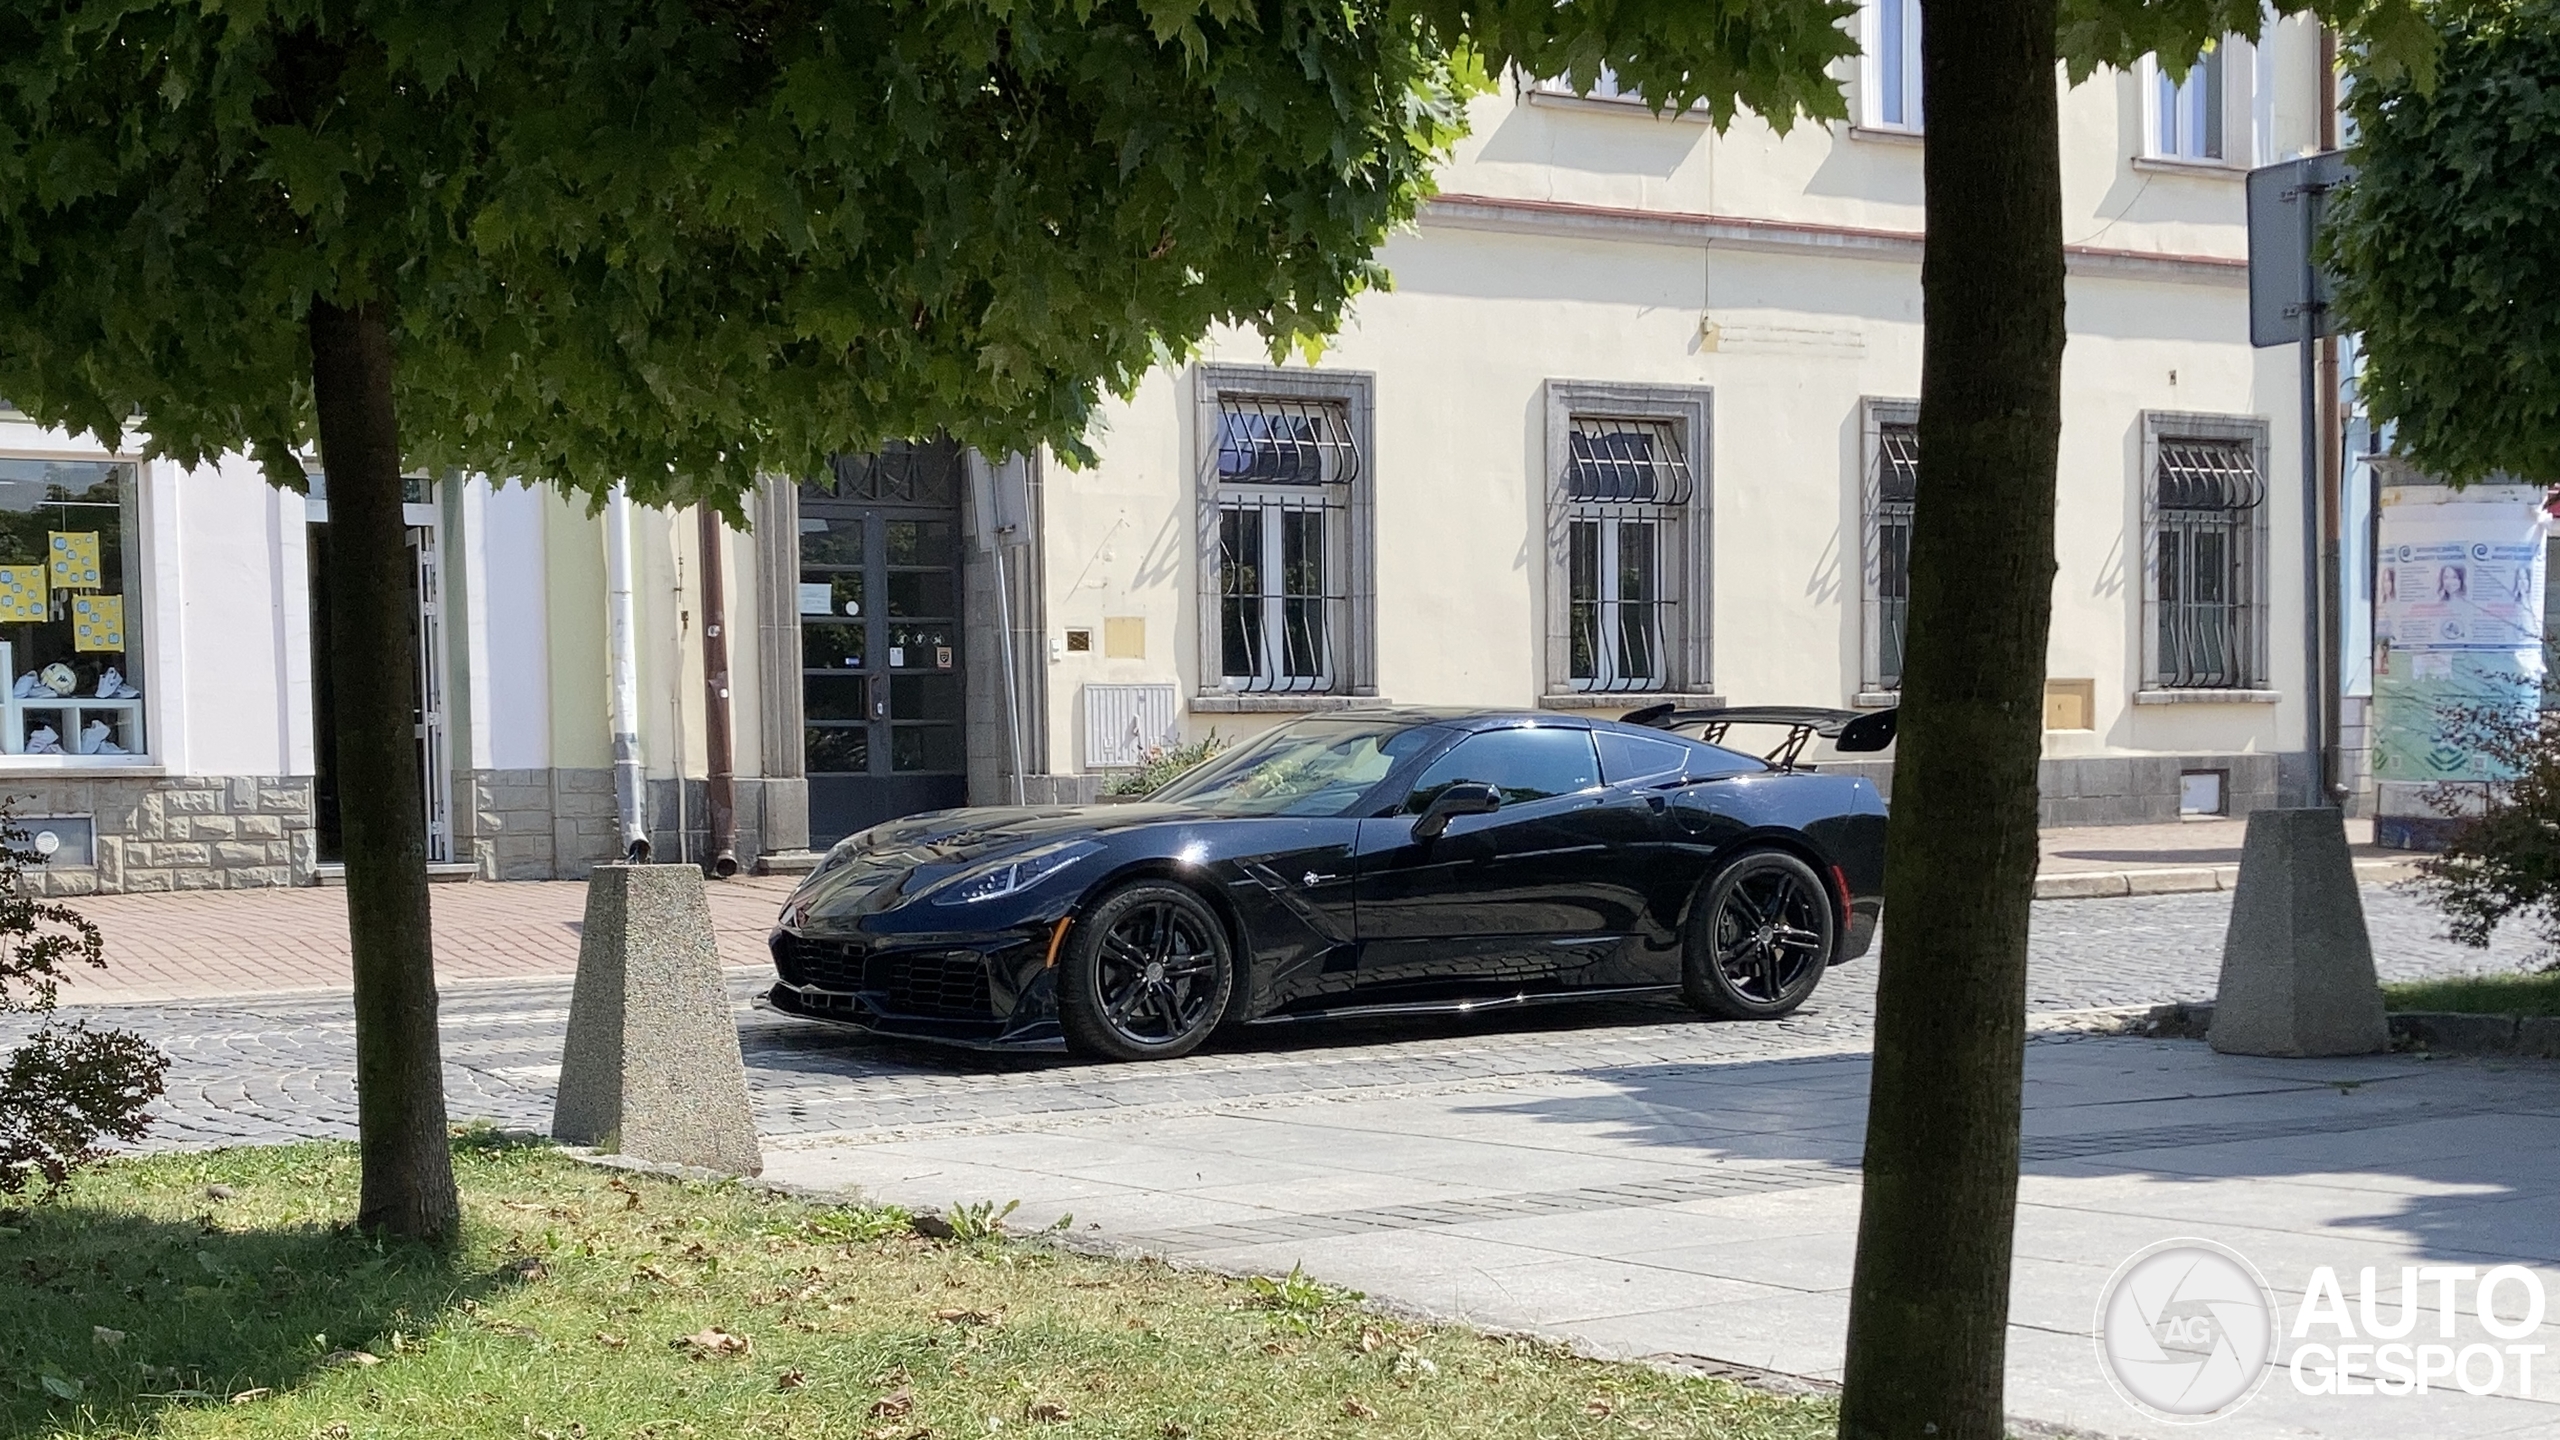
(1568,220)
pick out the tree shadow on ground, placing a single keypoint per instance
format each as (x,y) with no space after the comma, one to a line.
(113,1317)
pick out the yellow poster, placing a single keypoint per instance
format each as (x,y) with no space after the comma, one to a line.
(22,595)
(75,560)
(97,622)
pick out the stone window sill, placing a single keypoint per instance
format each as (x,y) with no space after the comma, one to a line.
(2176,165)
(1887,135)
(1627,105)
(1875,699)
(81,767)
(1282,704)
(1623,700)
(2207,697)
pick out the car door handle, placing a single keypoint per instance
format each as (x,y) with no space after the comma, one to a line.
(1311,879)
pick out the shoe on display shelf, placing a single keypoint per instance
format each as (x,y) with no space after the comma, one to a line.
(111,686)
(98,738)
(27,685)
(43,741)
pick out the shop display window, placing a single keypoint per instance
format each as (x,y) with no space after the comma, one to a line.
(70,622)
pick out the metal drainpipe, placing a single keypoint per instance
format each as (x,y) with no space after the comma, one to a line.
(623,657)
(721,785)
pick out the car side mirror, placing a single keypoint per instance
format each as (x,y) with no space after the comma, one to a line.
(1464,798)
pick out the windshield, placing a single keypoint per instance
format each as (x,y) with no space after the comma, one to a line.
(1311,767)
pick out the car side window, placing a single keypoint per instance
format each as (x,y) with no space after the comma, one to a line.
(1525,764)
(1638,757)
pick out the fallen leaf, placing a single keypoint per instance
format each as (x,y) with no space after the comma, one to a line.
(101,1335)
(610,1342)
(1357,1408)
(1175,1430)
(247,1397)
(1049,1412)
(357,1358)
(337,1431)
(630,1196)
(970,1317)
(1371,1337)
(1599,1409)
(894,1405)
(712,1341)
(525,1268)
(652,1272)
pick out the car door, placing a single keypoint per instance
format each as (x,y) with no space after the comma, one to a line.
(1527,895)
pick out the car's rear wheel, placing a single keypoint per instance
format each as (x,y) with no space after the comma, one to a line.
(1760,938)
(1146,976)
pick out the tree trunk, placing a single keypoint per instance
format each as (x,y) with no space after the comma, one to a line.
(408,1169)
(1929,1303)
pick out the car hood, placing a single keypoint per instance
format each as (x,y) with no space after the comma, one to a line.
(890,863)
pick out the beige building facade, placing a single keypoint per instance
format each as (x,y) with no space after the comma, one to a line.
(1635,424)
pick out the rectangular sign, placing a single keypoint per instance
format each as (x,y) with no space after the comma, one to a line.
(2286,201)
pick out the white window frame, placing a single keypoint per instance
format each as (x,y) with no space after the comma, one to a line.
(1875,414)
(1876,67)
(2236,61)
(1685,540)
(2161,427)
(1349,642)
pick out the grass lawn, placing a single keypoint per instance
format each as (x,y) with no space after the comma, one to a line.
(2536,994)
(218,1295)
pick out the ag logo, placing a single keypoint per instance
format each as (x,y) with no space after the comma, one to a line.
(2186,1330)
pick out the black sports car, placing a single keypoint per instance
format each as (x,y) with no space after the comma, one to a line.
(1362,862)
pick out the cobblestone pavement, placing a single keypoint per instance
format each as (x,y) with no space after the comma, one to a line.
(251,1070)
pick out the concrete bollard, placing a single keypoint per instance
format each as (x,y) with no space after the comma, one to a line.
(2297,963)
(652,1068)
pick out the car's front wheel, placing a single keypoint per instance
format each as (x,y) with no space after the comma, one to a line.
(1760,938)
(1146,974)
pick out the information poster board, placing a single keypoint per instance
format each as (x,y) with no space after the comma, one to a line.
(2457,623)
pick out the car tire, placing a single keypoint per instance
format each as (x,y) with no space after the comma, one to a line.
(1147,974)
(1760,938)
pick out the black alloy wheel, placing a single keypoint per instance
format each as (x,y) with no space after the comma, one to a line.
(1147,974)
(1760,938)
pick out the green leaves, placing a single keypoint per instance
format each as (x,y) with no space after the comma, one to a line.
(2444,246)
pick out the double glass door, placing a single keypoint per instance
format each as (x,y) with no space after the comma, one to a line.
(882,688)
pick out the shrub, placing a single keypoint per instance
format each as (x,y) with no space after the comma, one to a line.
(2503,858)
(67,1086)
(1158,764)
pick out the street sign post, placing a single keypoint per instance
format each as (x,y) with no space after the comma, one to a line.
(2289,304)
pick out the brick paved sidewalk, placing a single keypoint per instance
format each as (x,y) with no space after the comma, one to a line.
(199,943)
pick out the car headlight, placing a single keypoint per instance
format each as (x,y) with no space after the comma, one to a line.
(1012,873)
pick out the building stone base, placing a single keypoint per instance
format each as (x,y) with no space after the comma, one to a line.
(2132,789)
(172,832)
(560,824)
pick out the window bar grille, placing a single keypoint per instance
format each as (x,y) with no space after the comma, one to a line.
(1897,491)
(2208,495)
(1284,470)
(1625,481)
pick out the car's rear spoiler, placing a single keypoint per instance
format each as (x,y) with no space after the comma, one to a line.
(1851,732)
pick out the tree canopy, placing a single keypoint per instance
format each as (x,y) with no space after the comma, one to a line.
(2447,246)
(680,244)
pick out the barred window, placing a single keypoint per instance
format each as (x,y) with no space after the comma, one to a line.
(2206,501)
(1897,487)
(1283,471)
(1625,485)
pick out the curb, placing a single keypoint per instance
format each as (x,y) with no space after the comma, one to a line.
(2184,880)
(2437,1032)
